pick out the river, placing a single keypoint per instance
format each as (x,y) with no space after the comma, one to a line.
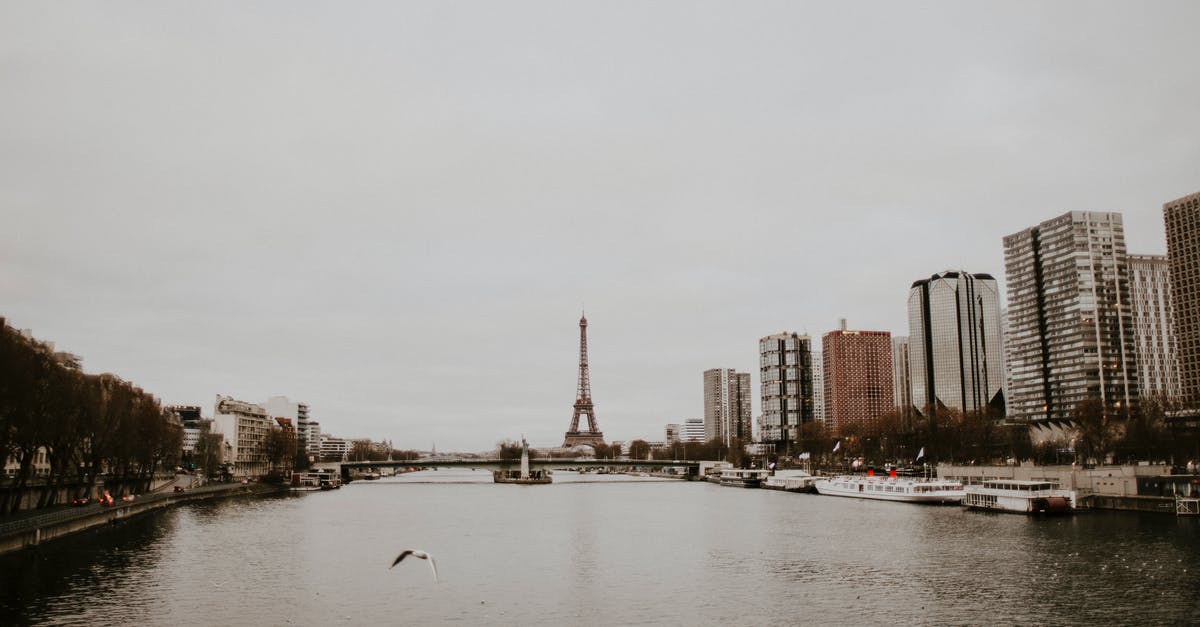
(597,549)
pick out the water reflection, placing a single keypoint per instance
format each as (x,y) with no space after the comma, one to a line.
(593,549)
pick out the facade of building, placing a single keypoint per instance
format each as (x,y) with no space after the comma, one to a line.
(693,430)
(1070,325)
(818,387)
(297,413)
(954,343)
(1153,331)
(785,389)
(189,417)
(244,427)
(901,374)
(1181,219)
(858,377)
(671,433)
(727,405)
(335,449)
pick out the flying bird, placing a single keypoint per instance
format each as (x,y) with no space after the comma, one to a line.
(418,554)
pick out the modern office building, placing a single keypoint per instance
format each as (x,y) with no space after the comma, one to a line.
(693,430)
(1153,331)
(1181,219)
(671,433)
(244,427)
(727,405)
(858,377)
(1070,325)
(189,417)
(785,387)
(954,344)
(901,373)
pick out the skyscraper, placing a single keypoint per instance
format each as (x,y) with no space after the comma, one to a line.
(727,405)
(1182,221)
(858,377)
(954,342)
(785,386)
(1153,333)
(1069,321)
(818,387)
(901,373)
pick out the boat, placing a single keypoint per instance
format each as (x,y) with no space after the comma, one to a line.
(315,480)
(903,489)
(743,477)
(1023,497)
(790,481)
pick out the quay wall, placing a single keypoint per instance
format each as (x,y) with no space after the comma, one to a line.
(19,534)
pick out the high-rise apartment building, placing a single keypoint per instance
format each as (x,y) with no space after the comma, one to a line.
(1181,218)
(1070,325)
(1153,332)
(818,387)
(727,405)
(954,345)
(858,377)
(785,387)
(693,430)
(901,374)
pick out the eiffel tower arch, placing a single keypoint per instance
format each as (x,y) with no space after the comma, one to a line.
(583,401)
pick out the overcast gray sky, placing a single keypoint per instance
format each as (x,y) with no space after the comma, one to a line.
(394,211)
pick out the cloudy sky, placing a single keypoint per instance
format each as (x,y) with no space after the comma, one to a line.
(395,211)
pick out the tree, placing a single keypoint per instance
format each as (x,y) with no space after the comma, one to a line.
(1096,429)
(639,449)
(280,448)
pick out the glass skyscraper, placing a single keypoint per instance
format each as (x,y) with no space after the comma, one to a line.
(954,348)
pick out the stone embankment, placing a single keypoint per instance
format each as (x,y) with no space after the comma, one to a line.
(36,528)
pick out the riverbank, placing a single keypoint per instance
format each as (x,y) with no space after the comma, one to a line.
(30,531)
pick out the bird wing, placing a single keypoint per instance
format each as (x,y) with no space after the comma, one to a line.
(434,567)
(400,557)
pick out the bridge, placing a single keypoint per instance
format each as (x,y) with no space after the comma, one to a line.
(694,468)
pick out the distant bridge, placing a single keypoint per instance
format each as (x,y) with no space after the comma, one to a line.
(694,468)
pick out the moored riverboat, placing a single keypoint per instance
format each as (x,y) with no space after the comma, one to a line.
(743,477)
(903,489)
(1023,497)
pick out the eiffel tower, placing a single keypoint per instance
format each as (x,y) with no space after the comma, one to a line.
(583,402)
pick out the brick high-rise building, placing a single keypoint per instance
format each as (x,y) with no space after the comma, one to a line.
(727,405)
(858,377)
(1181,218)
(1070,325)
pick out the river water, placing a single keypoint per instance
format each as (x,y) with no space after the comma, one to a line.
(596,549)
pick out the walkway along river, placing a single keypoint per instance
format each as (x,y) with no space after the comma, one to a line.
(604,549)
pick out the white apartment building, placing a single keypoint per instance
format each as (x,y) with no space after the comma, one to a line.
(244,427)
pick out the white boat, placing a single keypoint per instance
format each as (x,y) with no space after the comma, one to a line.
(1025,497)
(790,480)
(743,478)
(905,489)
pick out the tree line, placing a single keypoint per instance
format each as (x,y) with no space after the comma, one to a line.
(85,424)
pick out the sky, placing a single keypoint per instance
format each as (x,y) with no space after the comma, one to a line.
(396,211)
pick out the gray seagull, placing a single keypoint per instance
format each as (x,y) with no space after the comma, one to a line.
(418,554)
